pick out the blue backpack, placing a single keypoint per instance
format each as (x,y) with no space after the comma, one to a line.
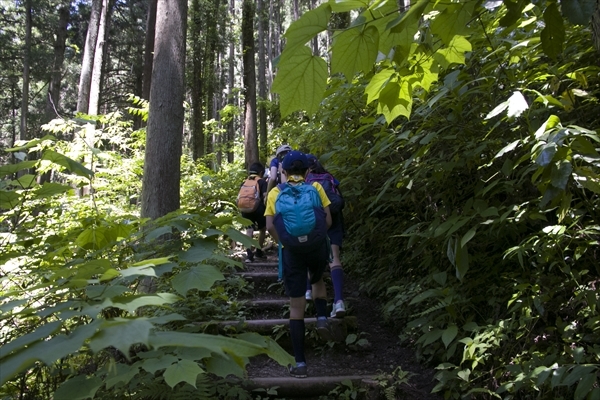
(300,219)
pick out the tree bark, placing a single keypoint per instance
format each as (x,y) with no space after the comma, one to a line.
(250,138)
(262,85)
(197,139)
(52,102)
(26,67)
(149,49)
(231,77)
(87,63)
(96,79)
(161,182)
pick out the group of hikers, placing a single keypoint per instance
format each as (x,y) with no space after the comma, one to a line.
(300,205)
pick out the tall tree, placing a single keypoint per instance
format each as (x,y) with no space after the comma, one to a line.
(160,186)
(262,84)
(52,102)
(87,64)
(149,49)
(250,129)
(94,99)
(26,69)
(231,84)
(197,89)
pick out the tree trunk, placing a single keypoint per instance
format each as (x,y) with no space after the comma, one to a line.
(262,85)
(161,182)
(87,63)
(250,138)
(149,49)
(52,102)
(232,95)
(197,139)
(26,66)
(315,40)
(96,79)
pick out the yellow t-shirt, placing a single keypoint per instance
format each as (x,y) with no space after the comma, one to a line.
(293,179)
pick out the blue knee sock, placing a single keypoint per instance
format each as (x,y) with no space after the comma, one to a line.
(321,306)
(297,335)
(337,278)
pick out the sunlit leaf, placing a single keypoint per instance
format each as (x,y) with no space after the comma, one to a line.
(307,26)
(449,334)
(201,277)
(516,105)
(354,50)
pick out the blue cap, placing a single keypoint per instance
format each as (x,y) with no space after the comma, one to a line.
(291,158)
(312,159)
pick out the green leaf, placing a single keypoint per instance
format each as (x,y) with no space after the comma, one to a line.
(508,148)
(122,373)
(454,20)
(300,81)
(449,334)
(236,235)
(347,5)
(514,12)
(9,199)
(354,50)
(585,385)
(561,172)
(49,189)
(121,333)
(275,351)
(462,261)
(546,154)
(454,53)
(216,344)
(158,363)
(223,366)
(468,236)
(182,371)
(26,181)
(78,388)
(41,332)
(464,374)
(578,12)
(14,168)
(412,16)
(553,34)
(395,100)
(68,163)
(201,277)
(201,250)
(307,26)
(377,83)
(132,303)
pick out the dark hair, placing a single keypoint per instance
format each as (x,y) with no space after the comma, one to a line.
(297,168)
(256,168)
(317,168)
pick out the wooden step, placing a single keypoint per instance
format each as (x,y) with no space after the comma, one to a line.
(269,303)
(259,276)
(262,264)
(290,387)
(265,326)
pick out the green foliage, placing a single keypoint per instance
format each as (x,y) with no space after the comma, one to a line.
(77,310)
(475,222)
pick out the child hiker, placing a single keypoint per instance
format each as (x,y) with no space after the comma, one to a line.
(298,217)
(250,202)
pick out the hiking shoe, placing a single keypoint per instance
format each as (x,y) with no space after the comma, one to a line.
(338,310)
(260,254)
(249,255)
(308,295)
(298,372)
(324,330)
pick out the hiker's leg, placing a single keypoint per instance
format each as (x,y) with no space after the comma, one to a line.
(319,293)
(337,274)
(294,275)
(297,327)
(261,237)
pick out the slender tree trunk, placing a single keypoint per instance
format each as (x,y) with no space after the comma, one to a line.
(161,182)
(296,10)
(315,40)
(197,139)
(250,139)
(52,102)
(87,64)
(26,66)
(94,101)
(149,49)
(231,78)
(262,84)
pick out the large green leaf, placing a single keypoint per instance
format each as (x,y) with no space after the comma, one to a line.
(378,82)
(132,303)
(561,172)
(68,163)
(182,371)
(223,366)
(412,16)
(49,189)
(41,332)
(454,20)
(395,100)
(201,277)
(347,5)
(454,53)
(553,34)
(514,11)
(9,199)
(121,333)
(14,168)
(578,12)
(307,26)
(354,50)
(78,388)
(300,81)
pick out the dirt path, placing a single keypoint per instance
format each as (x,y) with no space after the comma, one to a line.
(371,351)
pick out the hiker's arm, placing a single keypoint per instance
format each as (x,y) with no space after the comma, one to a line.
(272,178)
(327,218)
(271,228)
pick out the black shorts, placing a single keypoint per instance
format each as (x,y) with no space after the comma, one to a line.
(259,221)
(297,266)
(336,231)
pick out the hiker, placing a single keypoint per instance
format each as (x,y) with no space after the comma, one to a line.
(275,175)
(298,217)
(317,173)
(251,203)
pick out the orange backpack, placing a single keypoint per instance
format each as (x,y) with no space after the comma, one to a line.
(248,198)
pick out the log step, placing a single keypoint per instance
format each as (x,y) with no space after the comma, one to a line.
(270,303)
(262,264)
(311,386)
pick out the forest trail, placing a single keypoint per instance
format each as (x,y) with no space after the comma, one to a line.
(368,352)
